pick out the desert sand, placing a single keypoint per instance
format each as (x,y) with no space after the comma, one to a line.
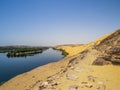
(74,72)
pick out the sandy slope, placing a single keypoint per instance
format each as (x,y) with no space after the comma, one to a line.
(74,72)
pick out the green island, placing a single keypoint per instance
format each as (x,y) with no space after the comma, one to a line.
(21,51)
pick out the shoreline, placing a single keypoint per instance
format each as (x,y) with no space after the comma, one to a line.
(53,70)
(76,71)
(64,53)
(1,83)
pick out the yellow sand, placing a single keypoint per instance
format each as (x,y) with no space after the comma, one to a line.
(108,75)
(72,50)
(77,48)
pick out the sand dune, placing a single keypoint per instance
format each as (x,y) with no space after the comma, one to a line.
(76,71)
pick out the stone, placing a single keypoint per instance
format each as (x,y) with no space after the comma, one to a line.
(71,76)
(79,69)
(54,84)
(81,85)
(91,78)
(88,85)
(45,83)
(85,84)
(101,61)
(101,86)
(74,87)
(41,87)
(83,69)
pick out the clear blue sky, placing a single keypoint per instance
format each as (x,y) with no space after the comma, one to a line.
(54,22)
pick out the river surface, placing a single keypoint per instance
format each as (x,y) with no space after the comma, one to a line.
(10,67)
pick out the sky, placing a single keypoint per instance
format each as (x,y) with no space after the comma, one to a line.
(56,22)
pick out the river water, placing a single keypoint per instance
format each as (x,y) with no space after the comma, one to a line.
(10,67)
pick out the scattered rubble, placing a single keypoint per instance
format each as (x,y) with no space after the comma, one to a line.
(71,76)
(91,78)
(74,87)
(81,69)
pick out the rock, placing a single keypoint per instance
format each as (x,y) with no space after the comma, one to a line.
(114,50)
(85,84)
(71,76)
(53,87)
(41,87)
(91,78)
(54,84)
(48,85)
(38,81)
(101,86)
(45,83)
(74,87)
(100,61)
(81,85)
(79,69)
(83,70)
(83,54)
(49,81)
(71,67)
(110,47)
(88,85)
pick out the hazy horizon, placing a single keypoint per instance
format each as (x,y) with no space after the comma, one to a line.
(56,22)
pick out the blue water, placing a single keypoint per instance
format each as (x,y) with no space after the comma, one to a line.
(10,67)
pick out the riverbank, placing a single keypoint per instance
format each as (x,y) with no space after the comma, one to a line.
(1,83)
(10,67)
(64,53)
(77,71)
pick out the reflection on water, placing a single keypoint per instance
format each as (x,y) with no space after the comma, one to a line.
(22,54)
(10,67)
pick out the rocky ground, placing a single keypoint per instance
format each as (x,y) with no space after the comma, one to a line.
(94,66)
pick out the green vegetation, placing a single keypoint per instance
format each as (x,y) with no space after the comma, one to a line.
(1,83)
(21,51)
(63,52)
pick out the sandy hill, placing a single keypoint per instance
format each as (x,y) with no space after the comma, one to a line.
(94,66)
